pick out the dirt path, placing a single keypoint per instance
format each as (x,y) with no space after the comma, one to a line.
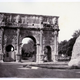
(17,70)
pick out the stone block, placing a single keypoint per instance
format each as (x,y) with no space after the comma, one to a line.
(75,59)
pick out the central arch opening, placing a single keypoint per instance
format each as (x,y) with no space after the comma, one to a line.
(29,49)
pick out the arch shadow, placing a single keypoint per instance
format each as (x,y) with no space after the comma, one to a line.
(47,52)
(28,51)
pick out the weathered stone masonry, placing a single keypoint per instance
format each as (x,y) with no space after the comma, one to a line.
(15,27)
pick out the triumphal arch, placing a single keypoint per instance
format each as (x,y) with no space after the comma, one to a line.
(42,29)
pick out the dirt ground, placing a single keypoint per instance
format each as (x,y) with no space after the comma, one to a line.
(18,71)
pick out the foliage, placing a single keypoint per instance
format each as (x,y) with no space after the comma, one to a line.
(65,47)
(76,33)
(28,51)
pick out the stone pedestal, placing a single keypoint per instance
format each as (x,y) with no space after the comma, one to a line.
(39,55)
(1,57)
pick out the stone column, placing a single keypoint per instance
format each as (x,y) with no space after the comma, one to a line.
(41,45)
(1,45)
(17,54)
(20,51)
(55,52)
(40,49)
(38,52)
(57,48)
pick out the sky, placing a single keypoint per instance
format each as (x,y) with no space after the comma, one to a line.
(68,12)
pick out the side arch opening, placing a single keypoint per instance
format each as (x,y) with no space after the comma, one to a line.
(9,53)
(47,54)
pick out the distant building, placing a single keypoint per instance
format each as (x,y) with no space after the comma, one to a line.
(42,29)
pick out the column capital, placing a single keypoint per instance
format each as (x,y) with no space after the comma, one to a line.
(55,33)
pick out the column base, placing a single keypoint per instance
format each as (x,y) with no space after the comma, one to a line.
(1,61)
(39,62)
(18,58)
(1,57)
(55,61)
(55,58)
(39,59)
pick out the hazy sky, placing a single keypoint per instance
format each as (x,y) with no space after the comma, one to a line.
(68,12)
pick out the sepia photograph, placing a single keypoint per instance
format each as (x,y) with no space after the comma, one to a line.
(39,39)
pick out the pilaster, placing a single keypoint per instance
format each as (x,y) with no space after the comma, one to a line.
(17,54)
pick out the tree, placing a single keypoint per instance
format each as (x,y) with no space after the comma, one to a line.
(65,47)
(70,46)
(76,34)
(62,47)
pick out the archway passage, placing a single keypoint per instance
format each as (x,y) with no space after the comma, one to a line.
(9,48)
(29,49)
(9,55)
(47,54)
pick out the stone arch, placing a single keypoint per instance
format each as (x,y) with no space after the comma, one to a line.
(28,49)
(9,53)
(32,37)
(9,48)
(45,31)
